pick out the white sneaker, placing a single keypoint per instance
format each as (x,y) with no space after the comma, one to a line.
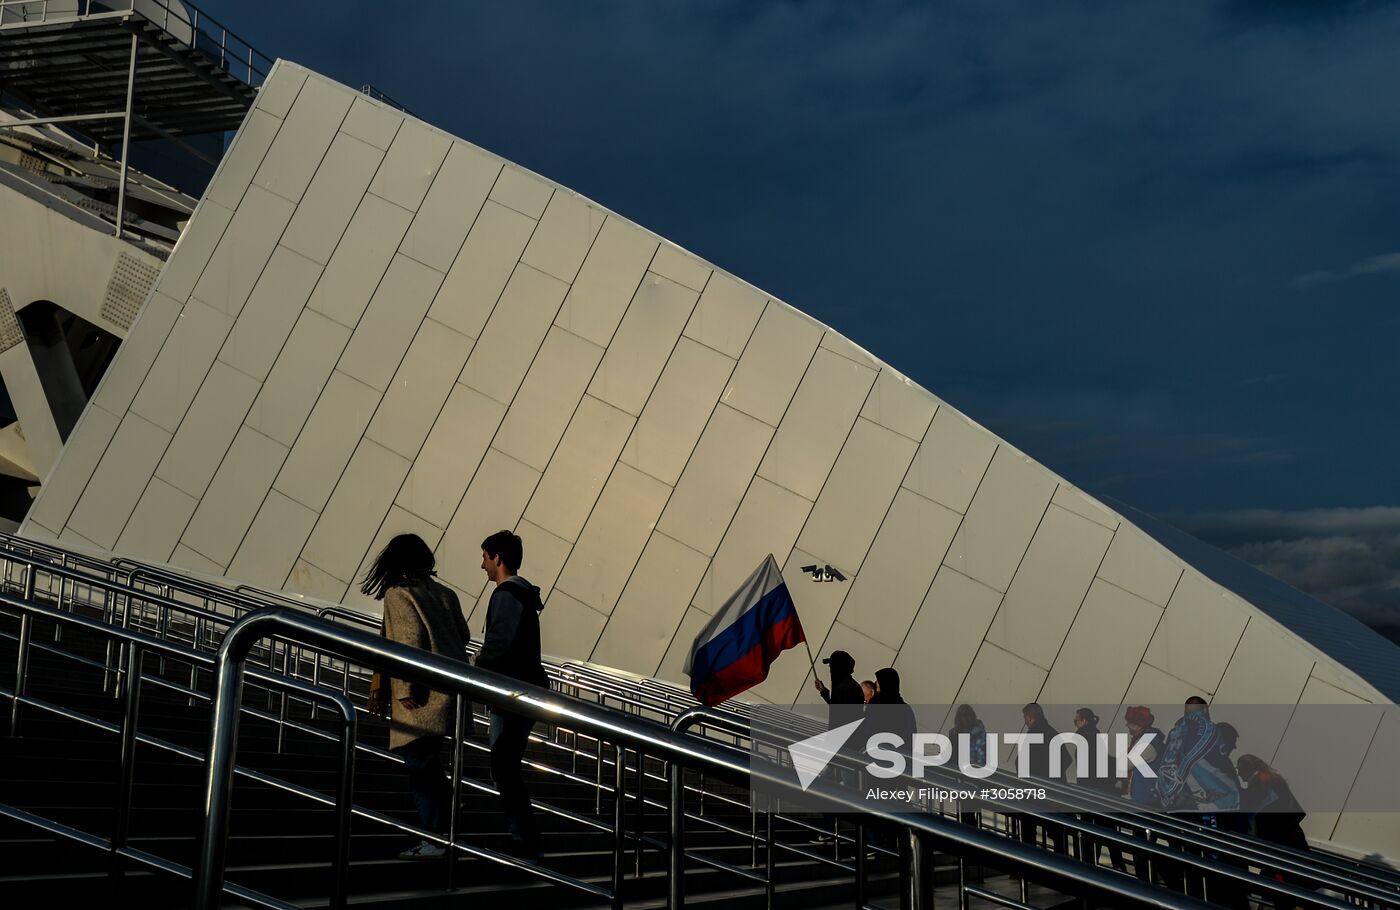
(424,850)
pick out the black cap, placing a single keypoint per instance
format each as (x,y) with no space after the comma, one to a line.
(840,659)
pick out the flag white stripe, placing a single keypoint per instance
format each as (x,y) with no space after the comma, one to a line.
(763,580)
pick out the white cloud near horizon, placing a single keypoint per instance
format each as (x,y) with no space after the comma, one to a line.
(1348,558)
(1385,263)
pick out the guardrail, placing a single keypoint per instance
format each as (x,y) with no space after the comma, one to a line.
(185,22)
(661,701)
(642,736)
(136,646)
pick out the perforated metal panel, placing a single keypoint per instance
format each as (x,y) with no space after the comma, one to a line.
(33,163)
(127,289)
(10,334)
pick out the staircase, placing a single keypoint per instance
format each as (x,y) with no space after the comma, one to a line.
(281,844)
(60,788)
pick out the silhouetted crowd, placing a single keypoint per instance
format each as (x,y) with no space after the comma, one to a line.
(1193,769)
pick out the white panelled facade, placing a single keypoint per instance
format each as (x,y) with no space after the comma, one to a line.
(372,327)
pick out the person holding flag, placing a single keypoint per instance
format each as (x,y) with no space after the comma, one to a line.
(733,652)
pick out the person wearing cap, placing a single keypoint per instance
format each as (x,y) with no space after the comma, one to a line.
(844,689)
(847,703)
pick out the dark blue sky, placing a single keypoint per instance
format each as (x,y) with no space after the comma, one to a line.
(1157,246)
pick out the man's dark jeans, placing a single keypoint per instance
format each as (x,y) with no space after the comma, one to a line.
(509,735)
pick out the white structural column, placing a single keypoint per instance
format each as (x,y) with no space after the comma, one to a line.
(31,407)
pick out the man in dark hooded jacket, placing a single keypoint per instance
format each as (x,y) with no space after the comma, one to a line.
(889,712)
(512,648)
(1034,716)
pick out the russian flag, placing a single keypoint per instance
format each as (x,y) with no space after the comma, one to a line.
(735,649)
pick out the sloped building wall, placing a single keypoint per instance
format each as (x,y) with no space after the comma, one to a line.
(371,327)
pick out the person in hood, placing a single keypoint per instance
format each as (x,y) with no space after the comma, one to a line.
(1275,814)
(888,699)
(887,712)
(1100,777)
(512,648)
(968,728)
(1034,716)
(1196,775)
(1039,765)
(418,611)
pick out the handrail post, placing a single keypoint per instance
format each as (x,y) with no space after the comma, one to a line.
(62,586)
(223,746)
(108,614)
(676,897)
(344,806)
(454,801)
(26,631)
(194,668)
(641,808)
(281,720)
(619,811)
(598,773)
(126,768)
(163,627)
(860,865)
(920,881)
(770,884)
(753,832)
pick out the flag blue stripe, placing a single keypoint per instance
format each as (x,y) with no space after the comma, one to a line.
(742,636)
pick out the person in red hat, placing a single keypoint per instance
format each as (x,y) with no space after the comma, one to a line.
(1138,787)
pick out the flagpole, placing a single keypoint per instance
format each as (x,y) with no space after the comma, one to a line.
(808,646)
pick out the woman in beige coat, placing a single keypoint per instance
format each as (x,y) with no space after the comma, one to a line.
(421,612)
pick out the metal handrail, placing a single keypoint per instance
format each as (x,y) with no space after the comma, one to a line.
(642,736)
(1319,866)
(235,55)
(167,604)
(136,645)
(1241,848)
(205,659)
(1074,800)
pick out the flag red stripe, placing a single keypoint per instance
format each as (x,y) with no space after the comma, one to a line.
(752,668)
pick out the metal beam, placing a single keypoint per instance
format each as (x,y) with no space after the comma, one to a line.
(70,118)
(177,140)
(126,134)
(93,20)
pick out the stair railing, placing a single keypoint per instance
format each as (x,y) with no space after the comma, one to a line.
(1103,815)
(624,732)
(665,700)
(136,645)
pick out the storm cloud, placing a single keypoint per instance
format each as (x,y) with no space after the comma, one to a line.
(1153,245)
(1348,558)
